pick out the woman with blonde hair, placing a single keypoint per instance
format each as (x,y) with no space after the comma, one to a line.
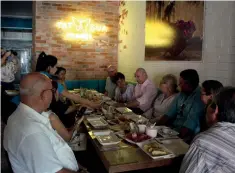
(161,104)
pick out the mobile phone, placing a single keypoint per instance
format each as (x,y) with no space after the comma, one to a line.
(81,112)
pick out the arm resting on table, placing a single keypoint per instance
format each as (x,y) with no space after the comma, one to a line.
(133,104)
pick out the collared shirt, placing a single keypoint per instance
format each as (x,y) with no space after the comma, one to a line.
(160,107)
(187,111)
(125,97)
(212,151)
(33,146)
(110,87)
(145,94)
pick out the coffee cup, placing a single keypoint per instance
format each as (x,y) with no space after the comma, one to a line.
(142,128)
(151,131)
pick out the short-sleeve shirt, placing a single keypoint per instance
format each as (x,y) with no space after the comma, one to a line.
(33,146)
(212,151)
(145,94)
(125,97)
(110,87)
(187,110)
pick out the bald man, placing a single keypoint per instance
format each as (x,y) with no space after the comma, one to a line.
(144,93)
(32,145)
(110,82)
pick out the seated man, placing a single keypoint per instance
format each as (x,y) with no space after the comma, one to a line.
(123,92)
(187,108)
(31,144)
(144,93)
(214,150)
(110,85)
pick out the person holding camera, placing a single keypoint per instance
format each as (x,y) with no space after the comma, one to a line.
(9,66)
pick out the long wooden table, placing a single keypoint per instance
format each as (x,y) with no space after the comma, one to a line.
(127,157)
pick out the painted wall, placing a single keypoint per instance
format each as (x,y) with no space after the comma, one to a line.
(218,47)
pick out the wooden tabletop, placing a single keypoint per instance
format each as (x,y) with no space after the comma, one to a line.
(127,157)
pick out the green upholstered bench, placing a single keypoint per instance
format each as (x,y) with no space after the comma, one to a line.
(98,85)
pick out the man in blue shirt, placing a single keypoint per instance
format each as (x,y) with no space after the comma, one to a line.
(187,109)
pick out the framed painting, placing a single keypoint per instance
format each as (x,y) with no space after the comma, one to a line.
(174,30)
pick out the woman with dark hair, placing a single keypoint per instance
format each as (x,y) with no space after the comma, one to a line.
(210,88)
(46,65)
(60,73)
(54,116)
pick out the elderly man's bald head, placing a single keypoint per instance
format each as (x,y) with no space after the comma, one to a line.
(112,70)
(141,75)
(36,91)
(33,84)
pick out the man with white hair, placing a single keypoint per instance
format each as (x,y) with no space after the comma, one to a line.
(144,93)
(110,82)
(32,145)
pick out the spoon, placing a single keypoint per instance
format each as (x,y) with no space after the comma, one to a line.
(153,125)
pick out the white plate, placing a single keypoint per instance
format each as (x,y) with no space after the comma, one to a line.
(167,132)
(97,122)
(108,139)
(124,110)
(169,155)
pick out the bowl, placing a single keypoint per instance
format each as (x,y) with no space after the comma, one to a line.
(151,131)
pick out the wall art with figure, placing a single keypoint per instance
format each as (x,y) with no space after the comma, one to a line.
(174,30)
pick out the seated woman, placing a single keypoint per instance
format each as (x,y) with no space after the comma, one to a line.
(54,120)
(210,88)
(65,111)
(168,86)
(123,92)
(60,73)
(46,65)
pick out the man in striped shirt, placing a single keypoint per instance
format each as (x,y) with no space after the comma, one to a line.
(213,151)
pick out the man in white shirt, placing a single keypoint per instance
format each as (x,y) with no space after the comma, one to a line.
(110,85)
(32,145)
